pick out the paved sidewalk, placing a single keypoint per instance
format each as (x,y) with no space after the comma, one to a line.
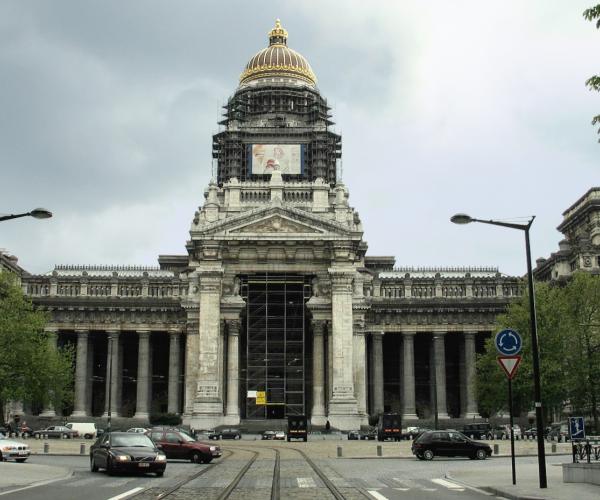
(14,475)
(498,481)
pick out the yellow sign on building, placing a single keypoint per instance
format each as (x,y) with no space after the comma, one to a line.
(261,398)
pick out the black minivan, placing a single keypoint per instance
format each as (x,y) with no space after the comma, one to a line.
(480,430)
(388,427)
(297,427)
(448,444)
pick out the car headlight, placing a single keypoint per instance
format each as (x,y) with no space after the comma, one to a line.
(213,448)
(122,458)
(161,457)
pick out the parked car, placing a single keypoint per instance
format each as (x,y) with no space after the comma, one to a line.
(559,432)
(127,452)
(85,430)
(26,431)
(354,435)
(13,450)
(140,430)
(413,432)
(178,444)
(480,430)
(55,431)
(268,435)
(279,436)
(448,444)
(213,434)
(231,434)
(530,433)
(497,433)
(368,435)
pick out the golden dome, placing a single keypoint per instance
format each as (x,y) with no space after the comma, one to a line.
(278,60)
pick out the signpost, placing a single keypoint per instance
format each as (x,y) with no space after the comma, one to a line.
(508,344)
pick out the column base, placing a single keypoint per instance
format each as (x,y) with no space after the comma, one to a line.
(343,414)
(318,418)
(48,413)
(232,419)
(79,413)
(113,414)
(410,416)
(142,415)
(442,416)
(471,415)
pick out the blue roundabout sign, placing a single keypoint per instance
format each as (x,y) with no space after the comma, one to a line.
(508,342)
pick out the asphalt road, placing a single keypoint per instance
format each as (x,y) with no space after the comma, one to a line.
(379,479)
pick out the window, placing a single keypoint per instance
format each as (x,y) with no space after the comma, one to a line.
(171,437)
(156,436)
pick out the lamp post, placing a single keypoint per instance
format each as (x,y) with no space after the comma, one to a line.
(36,213)
(466,219)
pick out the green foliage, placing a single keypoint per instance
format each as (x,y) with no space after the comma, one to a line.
(569,344)
(165,419)
(31,367)
(593,83)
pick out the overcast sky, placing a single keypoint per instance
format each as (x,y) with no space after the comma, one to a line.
(108,108)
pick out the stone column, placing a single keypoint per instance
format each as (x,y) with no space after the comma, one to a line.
(343,411)
(232,416)
(439,354)
(113,370)
(174,371)
(144,379)
(208,403)
(471,410)
(318,408)
(360,374)
(190,368)
(89,385)
(81,375)
(48,410)
(377,363)
(408,380)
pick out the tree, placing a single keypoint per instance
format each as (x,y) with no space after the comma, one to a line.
(32,368)
(593,83)
(569,343)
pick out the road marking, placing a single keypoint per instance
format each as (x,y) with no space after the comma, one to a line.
(376,495)
(448,484)
(306,482)
(126,494)
(405,487)
(35,485)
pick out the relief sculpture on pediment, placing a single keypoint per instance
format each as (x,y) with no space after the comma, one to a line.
(275,225)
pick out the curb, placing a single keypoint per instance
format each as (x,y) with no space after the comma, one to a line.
(413,457)
(493,490)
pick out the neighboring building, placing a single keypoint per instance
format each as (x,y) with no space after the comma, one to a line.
(580,249)
(9,263)
(276,301)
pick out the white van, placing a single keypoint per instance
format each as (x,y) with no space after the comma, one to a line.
(85,430)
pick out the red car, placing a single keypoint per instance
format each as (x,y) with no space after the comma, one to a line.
(178,444)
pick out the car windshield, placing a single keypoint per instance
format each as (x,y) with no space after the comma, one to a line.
(186,438)
(131,440)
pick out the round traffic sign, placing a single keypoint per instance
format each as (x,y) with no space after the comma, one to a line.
(508,342)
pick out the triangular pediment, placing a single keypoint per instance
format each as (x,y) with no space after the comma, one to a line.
(275,224)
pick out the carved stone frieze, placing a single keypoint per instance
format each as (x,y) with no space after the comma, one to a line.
(276,224)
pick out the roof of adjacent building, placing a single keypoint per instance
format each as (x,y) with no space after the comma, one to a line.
(109,271)
(440,272)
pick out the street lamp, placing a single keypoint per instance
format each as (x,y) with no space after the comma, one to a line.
(466,219)
(36,213)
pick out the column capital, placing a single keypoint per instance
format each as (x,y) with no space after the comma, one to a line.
(411,333)
(82,333)
(377,335)
(233,327)
(143,333)
(53,330)
(439,335)
(469,335)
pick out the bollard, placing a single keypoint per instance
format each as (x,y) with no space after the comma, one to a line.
(496,449)
(553,447)
(82,449)
(46,448)
(379,450)
(339,451)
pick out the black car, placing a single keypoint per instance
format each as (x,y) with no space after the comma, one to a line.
(297,427)
(127,452)
(448,444)
(477,430)
(231,434)
(354,435)
(388,427)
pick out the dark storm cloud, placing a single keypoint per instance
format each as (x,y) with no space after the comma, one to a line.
(108,109)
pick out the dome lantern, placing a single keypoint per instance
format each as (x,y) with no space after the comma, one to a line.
(278,35)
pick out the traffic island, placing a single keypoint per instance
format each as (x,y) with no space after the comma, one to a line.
(581,473)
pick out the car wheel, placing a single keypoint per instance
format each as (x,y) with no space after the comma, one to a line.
(238,437)
(93,466)
(420,456)
(481,454)
(87,436)
(196,458)
(160,473)
(428,455)
(1,459)
(65,436)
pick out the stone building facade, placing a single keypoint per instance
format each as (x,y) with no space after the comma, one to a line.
(276,308)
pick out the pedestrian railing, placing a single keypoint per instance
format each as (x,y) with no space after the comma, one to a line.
(585,451)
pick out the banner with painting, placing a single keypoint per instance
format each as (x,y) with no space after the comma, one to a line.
(264,158)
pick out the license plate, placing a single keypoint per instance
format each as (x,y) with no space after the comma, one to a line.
(22,453)
(144,464)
